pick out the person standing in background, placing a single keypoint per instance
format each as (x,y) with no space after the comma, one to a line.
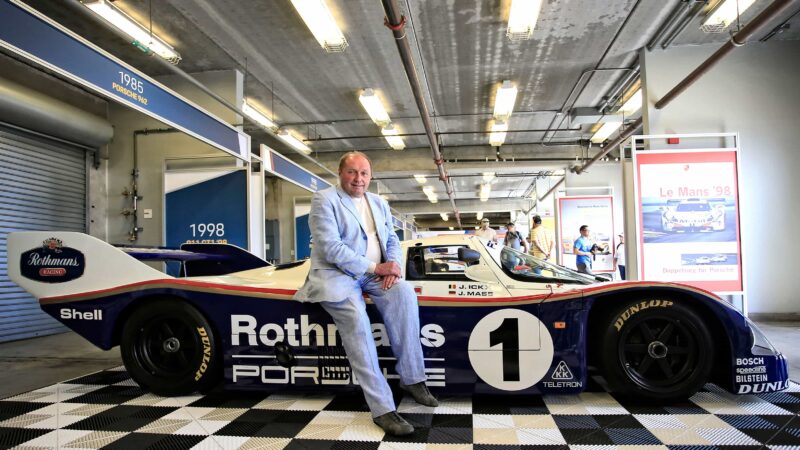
(486,232)
(619,256)
(583,249)
(514,239)
(541,240)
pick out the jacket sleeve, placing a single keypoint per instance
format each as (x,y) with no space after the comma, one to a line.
(328,239)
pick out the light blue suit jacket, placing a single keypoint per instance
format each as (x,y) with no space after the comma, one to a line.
(340,244)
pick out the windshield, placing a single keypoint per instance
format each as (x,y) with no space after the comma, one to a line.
(690,207)
(524,267)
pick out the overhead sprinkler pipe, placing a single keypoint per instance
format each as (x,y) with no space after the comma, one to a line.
(397,23)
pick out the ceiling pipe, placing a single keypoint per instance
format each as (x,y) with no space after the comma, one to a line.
(438,133)
(687,19)
(620,88)
(77,5)
(632,128)
(677,12)
(737,40)
(395,22)
(552,189)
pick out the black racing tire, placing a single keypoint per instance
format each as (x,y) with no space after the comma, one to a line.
(656,349)
(170,348)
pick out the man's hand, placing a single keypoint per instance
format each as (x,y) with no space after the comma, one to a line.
(390,268)
(389,281)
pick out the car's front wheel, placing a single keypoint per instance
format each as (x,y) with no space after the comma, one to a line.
(656,349)
(169,348)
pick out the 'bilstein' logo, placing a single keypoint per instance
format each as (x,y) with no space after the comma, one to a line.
(52,262)
(638,307)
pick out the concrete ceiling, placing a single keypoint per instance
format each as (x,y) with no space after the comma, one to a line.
(462,54)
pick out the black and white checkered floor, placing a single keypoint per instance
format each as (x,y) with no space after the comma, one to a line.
(108,410)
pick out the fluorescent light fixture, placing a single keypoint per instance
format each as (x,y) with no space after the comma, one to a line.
(498,135)
(486,189)
(488,176)
(293,141)
(142,38)
(504,102)
(319,20)
(522,19)
(390,134)
(420,179)
(633,104)
(725,14)
(479,216)
(257,116)
(444,216)
(429,192)
(605,131)
(372,104)
(451,228)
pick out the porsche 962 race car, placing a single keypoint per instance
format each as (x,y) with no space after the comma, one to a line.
(693,214)
(493,320)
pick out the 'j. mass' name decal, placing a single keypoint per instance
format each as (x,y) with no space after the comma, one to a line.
(470,290)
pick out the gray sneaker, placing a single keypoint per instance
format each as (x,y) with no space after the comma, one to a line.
(420,393)
(393,424)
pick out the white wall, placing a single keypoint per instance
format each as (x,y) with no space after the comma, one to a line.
(754,91)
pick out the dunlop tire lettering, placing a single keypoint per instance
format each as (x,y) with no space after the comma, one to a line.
(641,306)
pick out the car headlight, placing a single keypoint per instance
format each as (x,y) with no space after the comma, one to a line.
(760,345)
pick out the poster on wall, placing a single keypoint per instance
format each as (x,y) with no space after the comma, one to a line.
(688,214)
(205,207)
(596,211)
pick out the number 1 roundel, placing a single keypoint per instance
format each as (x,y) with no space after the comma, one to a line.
(510,349)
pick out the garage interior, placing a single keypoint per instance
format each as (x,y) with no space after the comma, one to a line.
(444,158)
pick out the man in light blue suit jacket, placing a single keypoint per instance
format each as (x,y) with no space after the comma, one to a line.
(356,251)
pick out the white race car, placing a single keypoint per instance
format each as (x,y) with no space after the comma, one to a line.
(492,320)
(693,215)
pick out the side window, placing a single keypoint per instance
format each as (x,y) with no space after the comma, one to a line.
(435,263)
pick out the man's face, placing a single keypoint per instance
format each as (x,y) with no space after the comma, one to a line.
(355,175)
(484,224)
(585,232)
(510,228)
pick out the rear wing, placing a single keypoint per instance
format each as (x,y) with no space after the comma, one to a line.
(199,260)
(59,263)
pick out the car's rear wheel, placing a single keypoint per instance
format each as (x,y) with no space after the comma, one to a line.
(170,348)
(656,349)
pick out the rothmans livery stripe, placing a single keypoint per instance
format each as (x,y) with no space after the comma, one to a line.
(286,294)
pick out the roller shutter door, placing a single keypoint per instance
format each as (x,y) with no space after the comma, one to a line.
(42,187)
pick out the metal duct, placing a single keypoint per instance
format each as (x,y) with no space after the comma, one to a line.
(38,112)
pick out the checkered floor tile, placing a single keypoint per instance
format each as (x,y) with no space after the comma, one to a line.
(108,410)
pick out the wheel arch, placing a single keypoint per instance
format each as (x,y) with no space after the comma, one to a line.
(603,306)
(122,317)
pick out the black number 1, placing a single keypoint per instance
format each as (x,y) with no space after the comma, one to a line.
(507,335)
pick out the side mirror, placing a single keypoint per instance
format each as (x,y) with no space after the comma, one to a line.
(468,255)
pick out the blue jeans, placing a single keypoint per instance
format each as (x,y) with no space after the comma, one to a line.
(400,312)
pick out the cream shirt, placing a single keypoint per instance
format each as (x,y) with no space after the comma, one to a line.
(373,246)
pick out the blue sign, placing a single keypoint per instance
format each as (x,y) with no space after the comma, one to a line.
(26,32)
(397,222)
(211,212)
(281,166)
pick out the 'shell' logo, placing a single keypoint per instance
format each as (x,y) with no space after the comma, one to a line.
(52,262)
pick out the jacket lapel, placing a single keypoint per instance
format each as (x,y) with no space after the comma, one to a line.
(347,202)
